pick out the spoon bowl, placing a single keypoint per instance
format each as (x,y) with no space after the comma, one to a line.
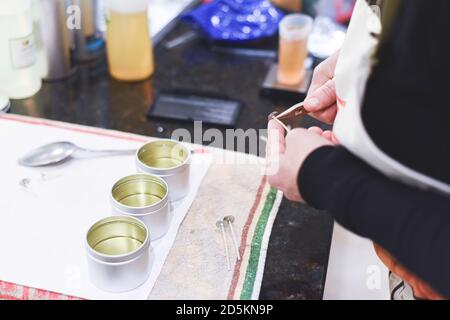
(49,154)
(58,152)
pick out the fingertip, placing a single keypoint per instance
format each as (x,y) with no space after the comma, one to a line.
(327,134)
(316,130)
(272,125)
(272,115)
(334,139)
(275,138)
(312,104)
(295,134)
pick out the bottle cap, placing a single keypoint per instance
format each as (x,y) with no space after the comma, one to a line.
(8,8)
(129,6)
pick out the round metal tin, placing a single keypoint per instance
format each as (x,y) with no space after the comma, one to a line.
(169,160)
(145,197)
(119,253)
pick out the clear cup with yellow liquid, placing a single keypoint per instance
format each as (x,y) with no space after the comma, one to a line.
(293,51)
(128,42)
(289,5)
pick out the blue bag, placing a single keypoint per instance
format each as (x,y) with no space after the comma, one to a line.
(235,20)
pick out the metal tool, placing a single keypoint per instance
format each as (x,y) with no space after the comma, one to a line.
(184,38)
(251,53)
(272,117)
(220,224)
(58,152)
(229,220)
(294,112)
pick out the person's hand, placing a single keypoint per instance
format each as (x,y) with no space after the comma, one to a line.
(327,134)
(285,156)
(321,98)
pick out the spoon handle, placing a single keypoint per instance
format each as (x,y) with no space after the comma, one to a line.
(86,153)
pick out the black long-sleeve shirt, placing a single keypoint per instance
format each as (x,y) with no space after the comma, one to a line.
(406,111)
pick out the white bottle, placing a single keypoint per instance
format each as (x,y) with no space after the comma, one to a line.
(19,74)
(42,64)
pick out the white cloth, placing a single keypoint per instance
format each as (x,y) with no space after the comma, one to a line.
(351,75)
(46,212)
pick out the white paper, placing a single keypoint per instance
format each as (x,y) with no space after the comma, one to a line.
(43,226)
(354,270)
(162,12)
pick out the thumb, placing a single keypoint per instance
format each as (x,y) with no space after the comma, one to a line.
(322,98)
(276,146)
(276,143)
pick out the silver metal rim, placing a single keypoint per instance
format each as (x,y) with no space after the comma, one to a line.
(163,172)
(141,211)
(123,258)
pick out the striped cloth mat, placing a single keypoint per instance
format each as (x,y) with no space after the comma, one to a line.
(196,267)
(248,274)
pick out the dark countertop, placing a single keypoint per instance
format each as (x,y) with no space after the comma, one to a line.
(299,245)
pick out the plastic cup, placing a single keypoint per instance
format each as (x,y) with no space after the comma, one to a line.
(294,31)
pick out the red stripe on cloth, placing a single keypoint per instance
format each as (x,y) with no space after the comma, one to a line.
(26,293)
(11,291)
(96,131)
(8,297)
(242,247)
(52,124)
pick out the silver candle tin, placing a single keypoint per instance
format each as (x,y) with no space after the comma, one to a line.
(145,197)
(169,160)
(119,253)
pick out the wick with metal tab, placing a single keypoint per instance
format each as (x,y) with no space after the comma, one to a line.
(220,225)
(229,220)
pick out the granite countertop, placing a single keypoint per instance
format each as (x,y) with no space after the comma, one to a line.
(299,246)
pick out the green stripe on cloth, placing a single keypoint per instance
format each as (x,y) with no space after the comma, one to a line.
(252,267)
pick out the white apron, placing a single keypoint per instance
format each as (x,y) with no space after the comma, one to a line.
(352,72)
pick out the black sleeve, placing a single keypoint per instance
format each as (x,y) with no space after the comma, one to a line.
(412,224)
(406,107)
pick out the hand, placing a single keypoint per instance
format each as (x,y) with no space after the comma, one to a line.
(327,134)
(285,156)
(321,99)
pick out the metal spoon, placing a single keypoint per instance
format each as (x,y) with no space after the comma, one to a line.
(58,152)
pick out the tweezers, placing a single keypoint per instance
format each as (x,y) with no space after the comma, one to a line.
(294,112)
